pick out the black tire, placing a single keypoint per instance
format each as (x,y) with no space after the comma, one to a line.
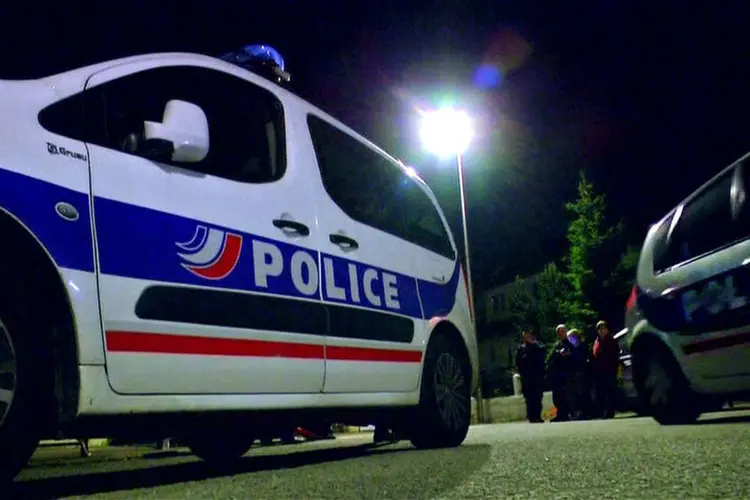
(219,450)
(674,403)
(289,437)
(446,386)
(23,420)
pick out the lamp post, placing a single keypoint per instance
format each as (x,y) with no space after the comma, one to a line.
(448,132)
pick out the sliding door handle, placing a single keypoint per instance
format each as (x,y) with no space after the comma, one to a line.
(344,242)
(291,227)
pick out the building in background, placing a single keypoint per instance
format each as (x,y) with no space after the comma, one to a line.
(499,335)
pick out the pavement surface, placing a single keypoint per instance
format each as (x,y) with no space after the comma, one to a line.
(620,458)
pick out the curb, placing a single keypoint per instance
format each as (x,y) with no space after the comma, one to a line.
(93,443)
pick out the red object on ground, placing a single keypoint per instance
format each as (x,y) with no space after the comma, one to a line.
(551,413)
(308,434)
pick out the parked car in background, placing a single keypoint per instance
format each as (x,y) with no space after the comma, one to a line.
(629,401)
(688,316)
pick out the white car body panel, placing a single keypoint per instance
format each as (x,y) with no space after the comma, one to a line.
(116,382)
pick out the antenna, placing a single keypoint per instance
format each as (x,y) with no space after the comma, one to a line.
(261,59)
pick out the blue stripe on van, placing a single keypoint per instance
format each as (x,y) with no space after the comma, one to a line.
(137,242)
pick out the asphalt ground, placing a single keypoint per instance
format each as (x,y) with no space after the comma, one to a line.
(620,458)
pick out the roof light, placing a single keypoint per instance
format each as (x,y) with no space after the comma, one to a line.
(261,59)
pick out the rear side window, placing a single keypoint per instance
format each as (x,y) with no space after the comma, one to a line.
(705,225)
(372,190)
(421,223)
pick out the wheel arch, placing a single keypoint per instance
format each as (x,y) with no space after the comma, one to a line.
(645,339)
(646,343)
(45,284)
(447,329)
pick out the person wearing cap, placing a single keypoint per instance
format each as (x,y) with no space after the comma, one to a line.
(606,361)
(559,363)
(530,359)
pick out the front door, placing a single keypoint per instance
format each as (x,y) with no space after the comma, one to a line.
(207,270)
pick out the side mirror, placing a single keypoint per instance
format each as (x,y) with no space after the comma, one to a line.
(183,131)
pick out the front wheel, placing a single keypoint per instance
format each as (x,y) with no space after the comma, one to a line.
(444,413)
(21,415)
(664,391)
(219,449)
(289,436)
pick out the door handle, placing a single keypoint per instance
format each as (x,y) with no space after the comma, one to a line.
(291,227)
(344,242)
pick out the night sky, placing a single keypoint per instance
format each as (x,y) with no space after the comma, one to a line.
(651,101)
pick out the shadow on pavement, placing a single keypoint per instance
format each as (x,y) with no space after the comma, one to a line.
(156,455)
(468,457)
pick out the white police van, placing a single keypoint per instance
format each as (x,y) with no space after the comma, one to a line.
(190,248)
(688,316)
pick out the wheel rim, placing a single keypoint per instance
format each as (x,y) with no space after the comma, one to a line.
(450,393)
(8,372)
(658,384)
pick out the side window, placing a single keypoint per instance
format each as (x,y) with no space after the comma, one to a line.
(419,220)
(246,124)
(705,225)
(661,246)
(740,202)
(352,175)
(66,117)
(372,190)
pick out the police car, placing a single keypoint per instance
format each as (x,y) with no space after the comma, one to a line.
(192,249)
(688,315)
(629,400)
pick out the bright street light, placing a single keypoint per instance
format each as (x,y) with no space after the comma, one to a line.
(448,132)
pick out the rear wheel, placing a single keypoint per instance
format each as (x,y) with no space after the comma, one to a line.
(663,389)
(444,413)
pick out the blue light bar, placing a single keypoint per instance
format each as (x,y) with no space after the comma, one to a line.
(262,59)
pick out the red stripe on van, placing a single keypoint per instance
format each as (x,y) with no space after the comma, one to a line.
(164,343)
(703,346)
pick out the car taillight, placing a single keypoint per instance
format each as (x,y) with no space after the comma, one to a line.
(630,304)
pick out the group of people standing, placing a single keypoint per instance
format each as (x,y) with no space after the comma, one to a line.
(582,377)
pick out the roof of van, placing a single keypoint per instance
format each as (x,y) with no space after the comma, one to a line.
(219,63)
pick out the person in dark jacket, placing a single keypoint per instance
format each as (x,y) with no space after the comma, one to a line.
(559,363)
(606,362)
(530,359)
(578,389)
